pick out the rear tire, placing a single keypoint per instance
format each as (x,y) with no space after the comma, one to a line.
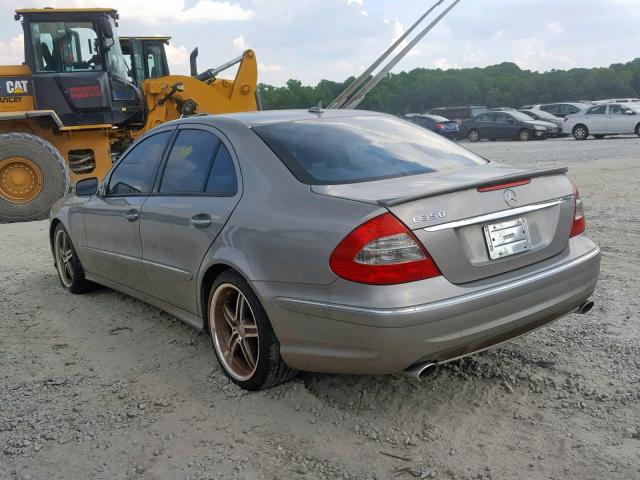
(243,340)
(474,135)
(638,129)
(580,132)
(524,135)
(70,271)
(33,175)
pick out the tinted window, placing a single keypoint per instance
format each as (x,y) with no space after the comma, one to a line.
(554,109)
(136,172)
(487,117)
(570,109)
(189,162)
(359,149)
(222,179)
(503,118)
(599,110)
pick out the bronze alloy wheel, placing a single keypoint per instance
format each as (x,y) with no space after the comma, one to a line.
(64,257)
(234,331)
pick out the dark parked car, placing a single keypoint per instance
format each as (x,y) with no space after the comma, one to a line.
(459,114)
(508,125)
(544,117)
(435,123)
(561,110)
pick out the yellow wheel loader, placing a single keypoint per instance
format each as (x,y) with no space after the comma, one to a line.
(78,101)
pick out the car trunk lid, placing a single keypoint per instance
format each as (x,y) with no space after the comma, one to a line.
(480,221)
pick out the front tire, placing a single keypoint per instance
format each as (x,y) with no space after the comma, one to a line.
(524,135)
(243,340)
(70,271)
(638,129)
(474,135)
(580,132)
(33,175)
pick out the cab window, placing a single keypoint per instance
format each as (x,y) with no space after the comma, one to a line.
(136,172)
(154,63)
(65,47)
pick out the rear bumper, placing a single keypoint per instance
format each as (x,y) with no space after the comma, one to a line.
(325,336)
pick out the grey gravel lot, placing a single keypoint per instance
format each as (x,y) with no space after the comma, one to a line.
(102,386)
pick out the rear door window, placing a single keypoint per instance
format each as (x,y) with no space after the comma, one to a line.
(599,110)
(189,162)
(486,117)
(360,149)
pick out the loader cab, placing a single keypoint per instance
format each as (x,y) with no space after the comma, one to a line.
(78,69)
(146,57)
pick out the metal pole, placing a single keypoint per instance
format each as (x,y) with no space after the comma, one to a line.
(344,96)
(362,93)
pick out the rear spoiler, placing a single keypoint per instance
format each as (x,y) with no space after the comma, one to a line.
(474,184)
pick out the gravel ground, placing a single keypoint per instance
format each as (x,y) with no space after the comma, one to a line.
(102,386)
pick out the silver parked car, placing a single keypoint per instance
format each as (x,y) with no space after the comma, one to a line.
(605,119)
(336,241)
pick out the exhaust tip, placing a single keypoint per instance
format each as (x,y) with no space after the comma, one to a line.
(420,371)
(585,307)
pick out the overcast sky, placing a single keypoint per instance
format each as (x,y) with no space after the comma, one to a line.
(314,39)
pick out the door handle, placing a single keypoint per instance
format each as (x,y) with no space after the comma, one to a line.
(200,221)
(132,215)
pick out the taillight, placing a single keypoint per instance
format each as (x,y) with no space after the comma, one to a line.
(579,223)
(382,251)
(439,126)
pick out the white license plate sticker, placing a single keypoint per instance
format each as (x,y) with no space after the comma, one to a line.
(507,238)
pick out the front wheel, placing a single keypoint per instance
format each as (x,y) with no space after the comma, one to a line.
(243,340)
(638,129)
(474,135)
(524,135)
(70,271)
(580,132)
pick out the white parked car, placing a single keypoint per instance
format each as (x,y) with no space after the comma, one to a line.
(602,120)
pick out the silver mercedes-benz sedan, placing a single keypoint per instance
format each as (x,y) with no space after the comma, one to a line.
(335,241)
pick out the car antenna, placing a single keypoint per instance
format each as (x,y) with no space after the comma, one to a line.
(358,90)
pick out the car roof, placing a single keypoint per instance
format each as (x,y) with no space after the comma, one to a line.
(265,117)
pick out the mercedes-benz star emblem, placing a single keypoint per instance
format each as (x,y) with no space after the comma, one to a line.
(510,198)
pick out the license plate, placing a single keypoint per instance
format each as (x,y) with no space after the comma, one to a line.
(507,238)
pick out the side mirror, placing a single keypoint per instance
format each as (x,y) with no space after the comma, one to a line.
(629,112)
(105,26)
(86,187)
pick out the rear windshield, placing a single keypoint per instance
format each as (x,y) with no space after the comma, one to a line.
(361,149)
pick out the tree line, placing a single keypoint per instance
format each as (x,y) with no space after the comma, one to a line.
(504,85)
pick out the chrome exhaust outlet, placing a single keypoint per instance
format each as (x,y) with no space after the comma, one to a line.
(585,307)
(420,371)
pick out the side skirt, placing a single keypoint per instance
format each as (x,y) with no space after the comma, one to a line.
(188,318)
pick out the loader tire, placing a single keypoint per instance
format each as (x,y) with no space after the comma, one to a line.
(33,175)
